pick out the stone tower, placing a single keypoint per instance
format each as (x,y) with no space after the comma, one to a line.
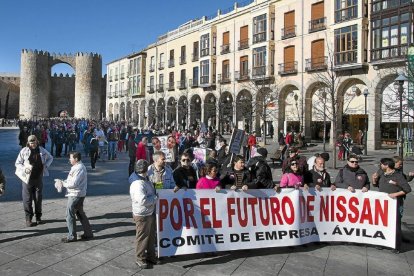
(35,84)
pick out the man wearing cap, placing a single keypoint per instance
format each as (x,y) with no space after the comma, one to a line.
(33,162)
(260,170)
(144,200)
(294,155)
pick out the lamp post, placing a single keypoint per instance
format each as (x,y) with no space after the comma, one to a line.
(324,119)
(366,123)
(398,84)
(296,97)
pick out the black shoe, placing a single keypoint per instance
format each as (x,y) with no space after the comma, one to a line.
(29,223)
(154,261)
(142,264)
(85,238)
(39,221)
(66,240)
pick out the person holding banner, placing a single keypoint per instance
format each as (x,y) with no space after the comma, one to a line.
(238,176)
(260,170)
(292,178)
(396,186)
(294,156)
(185,175)
(160,173)
(144,199)
(318,177)
(352,176)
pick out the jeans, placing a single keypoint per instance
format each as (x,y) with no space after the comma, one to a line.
(111,150)
(32,192)
(72,146)
(75,208)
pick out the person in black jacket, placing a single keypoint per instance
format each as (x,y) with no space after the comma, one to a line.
(185,175)
(396,186)
(93,149)
(318,177)
(352,176)
(260,170)
(238,176)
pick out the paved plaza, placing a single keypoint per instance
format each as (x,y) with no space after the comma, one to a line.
(39,251)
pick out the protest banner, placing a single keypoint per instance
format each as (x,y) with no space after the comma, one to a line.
(200,154)
(195,221)
(236,140)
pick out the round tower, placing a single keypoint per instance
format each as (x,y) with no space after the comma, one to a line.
(88,85)
(34,84)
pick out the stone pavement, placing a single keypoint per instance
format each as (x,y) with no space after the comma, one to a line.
(38,250)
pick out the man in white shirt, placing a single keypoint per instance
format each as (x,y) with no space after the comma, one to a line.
(76,185)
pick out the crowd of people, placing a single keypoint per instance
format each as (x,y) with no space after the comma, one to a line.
(175,167)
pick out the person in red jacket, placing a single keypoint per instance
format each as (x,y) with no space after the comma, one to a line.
(289,140)
(251,142)
(141,153)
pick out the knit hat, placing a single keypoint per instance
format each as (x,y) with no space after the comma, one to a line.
(141,166)
(262,151)
(32,138)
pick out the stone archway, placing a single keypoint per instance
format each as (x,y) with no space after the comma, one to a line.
(183,114)
(122,112)
(225,111)
(116,112)
(161,113)
(195,110)
(244,110)
(128,113)
(111,112)
(135,114)
(289,108)
(143,115)
(152,120)
(172,112)
(210,102)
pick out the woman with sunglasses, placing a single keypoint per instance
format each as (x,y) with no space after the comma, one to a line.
(292,178)
(352,176)
(185,175)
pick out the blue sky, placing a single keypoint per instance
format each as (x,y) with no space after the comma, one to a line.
(108,27)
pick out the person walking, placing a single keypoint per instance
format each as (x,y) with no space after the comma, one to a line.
(76,185)
(32,164)
(144,199)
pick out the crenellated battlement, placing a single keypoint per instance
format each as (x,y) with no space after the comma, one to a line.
(85,54)
(36,52)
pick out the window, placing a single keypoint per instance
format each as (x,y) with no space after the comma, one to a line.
(244,38)
(139,65)
(225,73)
(138,84)
(195,76)
(345,10)
(161,80)
(161,64)
(195,51)
(152,64)
(111,72)
(205,67)
(183,55)
(225,48)
(259,28)
(205,45)
(171,81)
(346,45)
(152,83)
(244,67)
(289,29)
(171,60)
(259,61)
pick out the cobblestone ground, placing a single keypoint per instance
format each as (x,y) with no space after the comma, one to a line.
(38,250)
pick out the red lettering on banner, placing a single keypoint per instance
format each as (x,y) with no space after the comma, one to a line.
(275,208)
(217,223)
(286,201)
(265,220)
(205,212)
(332,208)
(230,210)
(242,221)
(175,204)
(324,209)
(341,208)
(353,203)
(302,208)
(381,212)
(310,208)
(163,206)
(189,213)
(366,213)
(253,202)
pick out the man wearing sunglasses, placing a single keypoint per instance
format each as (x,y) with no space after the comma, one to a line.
(185,176)
(352,176)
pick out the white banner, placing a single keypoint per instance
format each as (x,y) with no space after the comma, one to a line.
(195,221)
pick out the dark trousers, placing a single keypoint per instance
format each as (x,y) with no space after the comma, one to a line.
(131,167)
(145,237)
(59,148)
(32,192)
(94,157)
(398,232)
(52,146)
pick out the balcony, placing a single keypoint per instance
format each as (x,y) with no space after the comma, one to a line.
(224,78)
(194,57)
(259,72)
(193,82)
(116,94)
(171,86)
(242,76)
(182,60)
(110,79)
(389,54)
(150,89)
(347,57)
(160,87)
(317,25)
(122,76)
(170,63)
(288,68)
(152,68)
(116,77)
(205,81)
(225,49)
(181,84)
(110,95)
(346,14)
(161,65)
(289,32)
(243,44)
(123,93)
(259,37)
(204,52)
(316,64)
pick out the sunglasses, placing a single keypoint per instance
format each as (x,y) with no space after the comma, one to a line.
(354,162)
(185,160)
(293,164)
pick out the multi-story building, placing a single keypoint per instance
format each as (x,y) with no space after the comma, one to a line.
(268,64)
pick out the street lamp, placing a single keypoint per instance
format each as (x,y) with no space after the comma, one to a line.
(296,97)
(366,123)
(324,119)
(398,84)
